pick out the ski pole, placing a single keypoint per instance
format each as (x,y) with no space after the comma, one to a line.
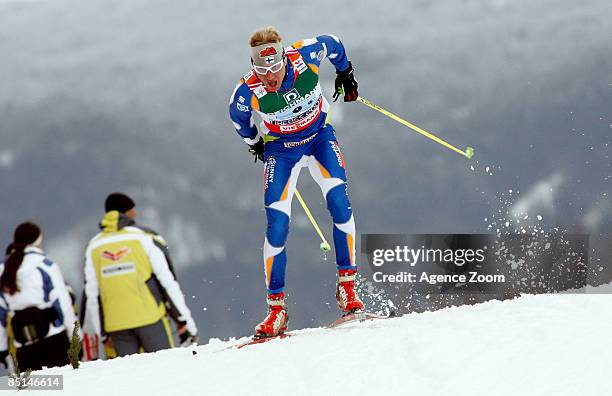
(324,245)
(469,151)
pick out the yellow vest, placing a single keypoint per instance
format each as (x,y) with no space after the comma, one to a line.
(122,269)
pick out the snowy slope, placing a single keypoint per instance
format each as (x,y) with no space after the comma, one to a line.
(535,345)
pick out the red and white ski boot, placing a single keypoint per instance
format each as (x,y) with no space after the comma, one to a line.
(276,321)
(348,301)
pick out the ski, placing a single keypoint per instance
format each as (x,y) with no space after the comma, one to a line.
(348,318)
(358,317)
(257,340)
(261,340)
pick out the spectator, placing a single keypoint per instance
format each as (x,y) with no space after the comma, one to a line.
(33,293)
(130,287)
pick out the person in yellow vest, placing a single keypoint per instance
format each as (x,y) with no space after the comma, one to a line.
(130,287)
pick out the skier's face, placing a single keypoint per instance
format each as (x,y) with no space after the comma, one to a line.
(272,81)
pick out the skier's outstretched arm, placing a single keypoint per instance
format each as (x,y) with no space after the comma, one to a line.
(345,79)
(241,113)
(314,50)
(241,105)
(334,51)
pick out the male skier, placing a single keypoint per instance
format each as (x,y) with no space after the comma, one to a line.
(283,89)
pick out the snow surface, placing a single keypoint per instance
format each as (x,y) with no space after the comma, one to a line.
(534,345)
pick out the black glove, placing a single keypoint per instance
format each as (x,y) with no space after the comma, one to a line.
(345,83)
(257,150)
(186,339)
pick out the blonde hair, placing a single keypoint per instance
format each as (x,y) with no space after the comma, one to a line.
(265,35)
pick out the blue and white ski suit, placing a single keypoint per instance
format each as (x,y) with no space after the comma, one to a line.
(297,136)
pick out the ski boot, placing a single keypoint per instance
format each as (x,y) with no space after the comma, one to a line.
(276,321)
(348,301)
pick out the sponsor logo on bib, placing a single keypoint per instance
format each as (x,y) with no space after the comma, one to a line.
(116,256)
(118,269)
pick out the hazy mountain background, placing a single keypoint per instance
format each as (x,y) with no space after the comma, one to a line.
(101,96)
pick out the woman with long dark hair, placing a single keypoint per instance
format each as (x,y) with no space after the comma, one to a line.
(34,295)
